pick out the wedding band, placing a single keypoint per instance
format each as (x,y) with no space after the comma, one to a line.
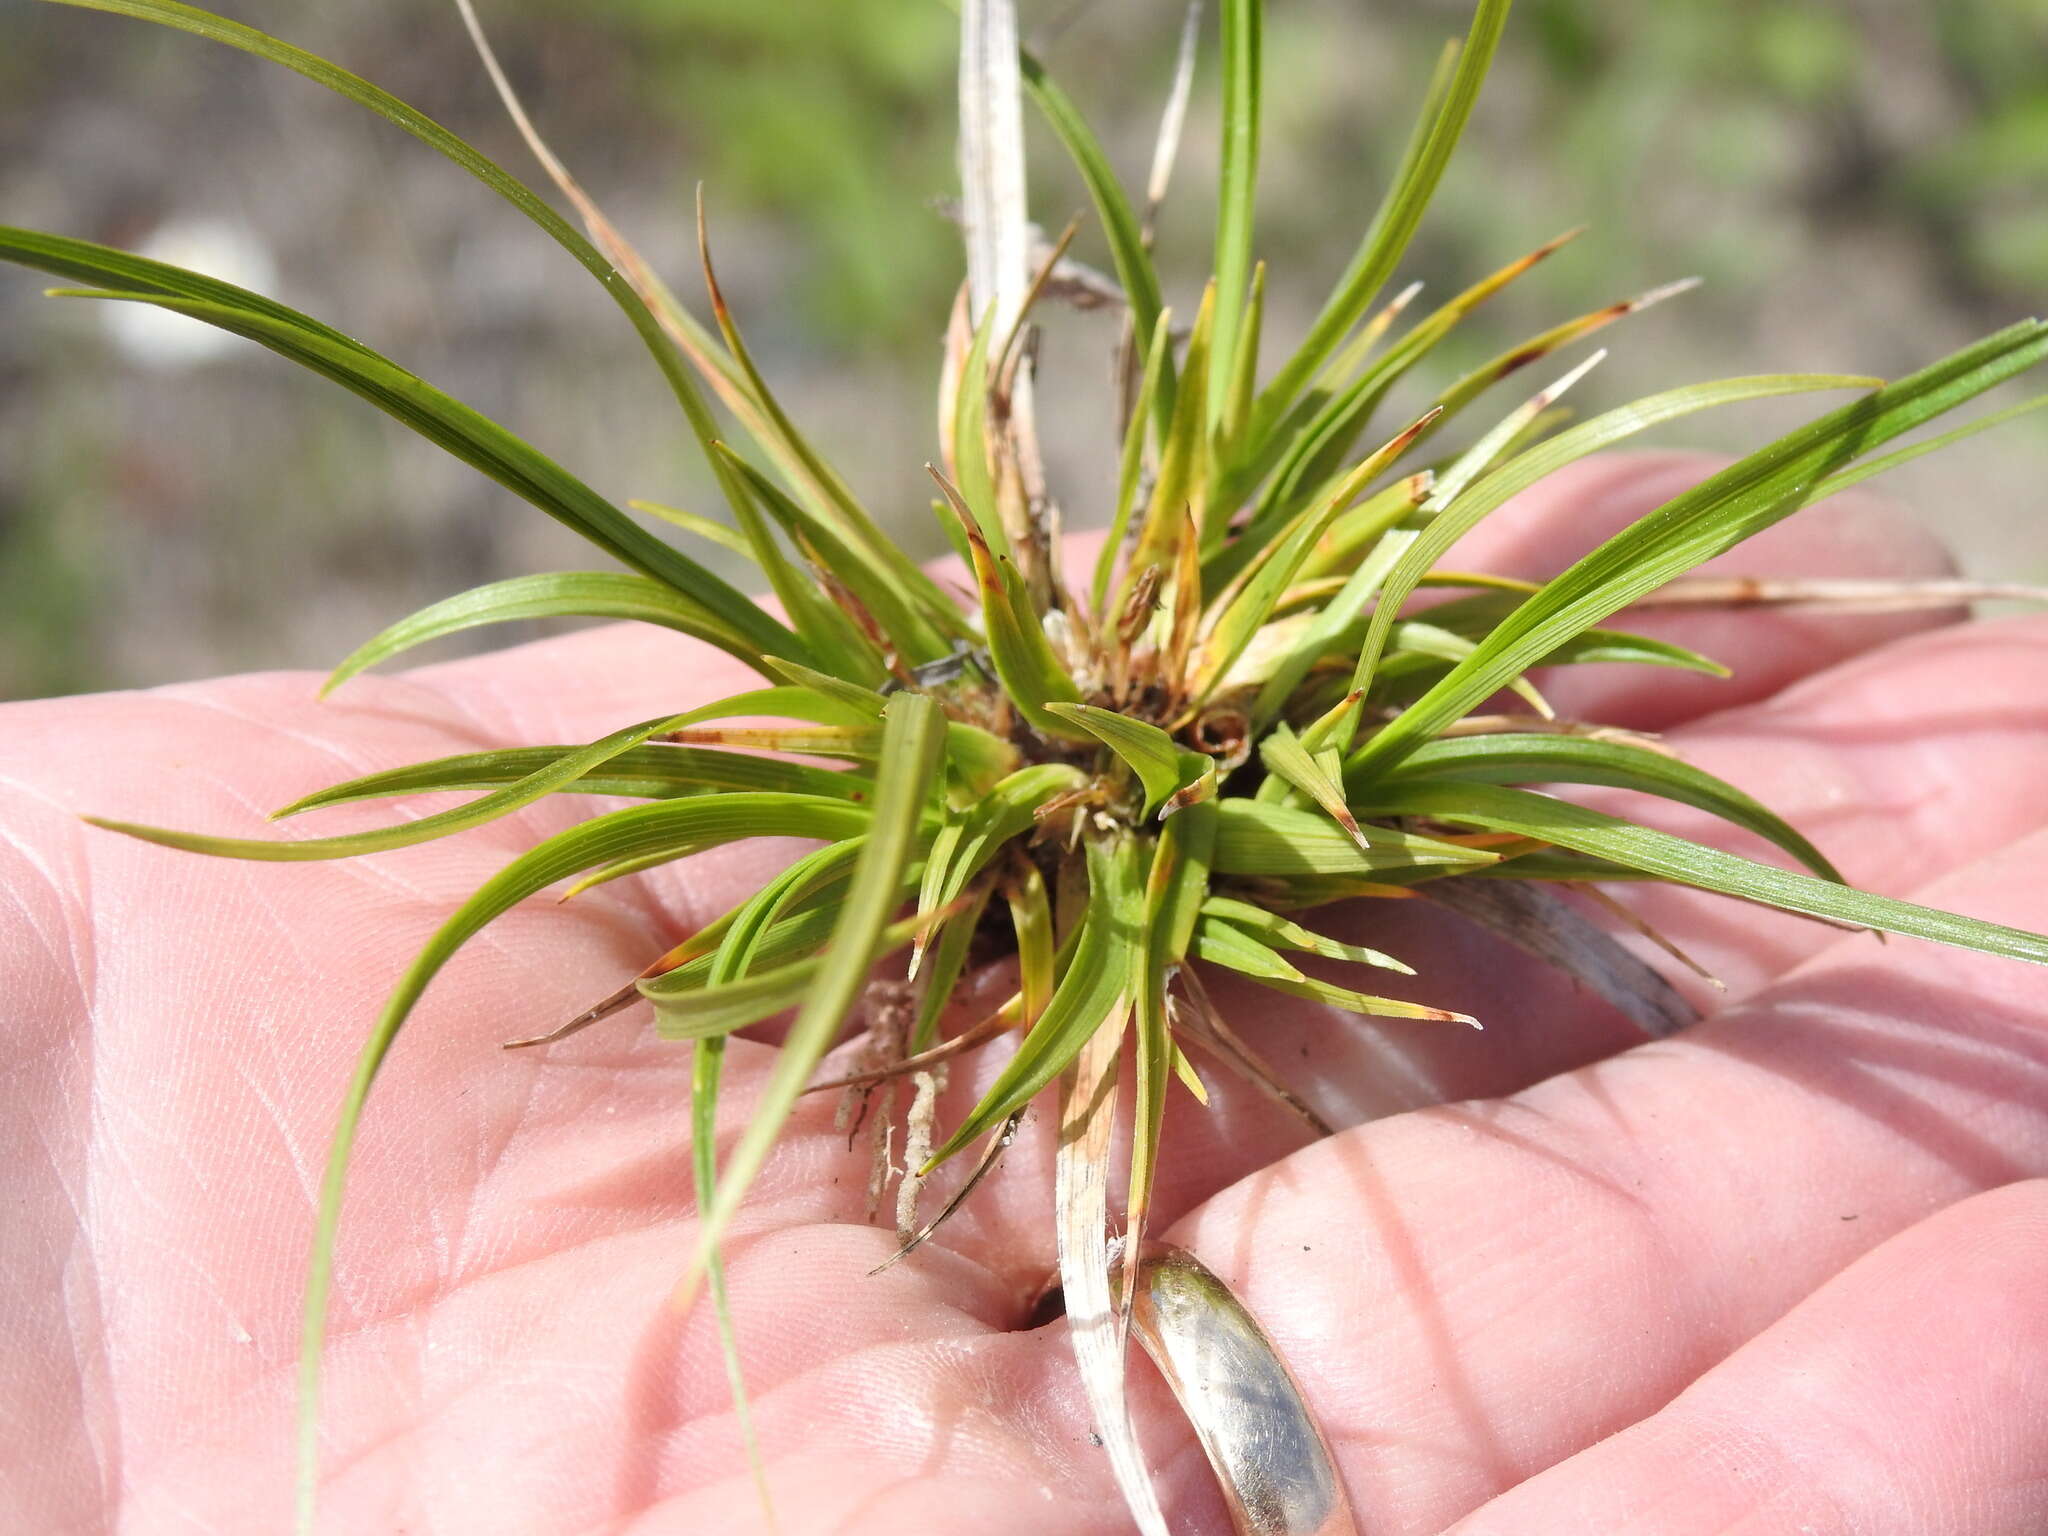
(1275,1466)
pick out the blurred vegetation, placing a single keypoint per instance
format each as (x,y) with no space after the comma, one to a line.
(1861,182)
(835,120)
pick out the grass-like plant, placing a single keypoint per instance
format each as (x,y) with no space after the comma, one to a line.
(1123,774)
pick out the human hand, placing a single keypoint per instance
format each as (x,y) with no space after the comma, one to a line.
(1778,1274)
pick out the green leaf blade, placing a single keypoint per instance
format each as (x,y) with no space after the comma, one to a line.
(651,772)
(485,446)
(687,825)
(558,594)
(1259,839)
(1687,863)
(1097,981)
(1153,755)
(1242,24)
(1133,263)
(1521,759)
(1394,224)
(1714,516)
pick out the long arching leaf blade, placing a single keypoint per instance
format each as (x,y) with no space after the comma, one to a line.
(1513,758)
(655,771)
(1687,863)
(557,594)
(483,444)
(1714,516)
(680,826)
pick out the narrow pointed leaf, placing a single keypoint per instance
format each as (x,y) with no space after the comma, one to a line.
(1096,983)
(1541,345)
(1474,617)
(1382,519)
(1277,932)
(834,640)
(1674,858)
(1265,581)
(715,1011)
(945,961)
(1394,224)
(1426,546)
(1134,269)
(1236,193)
(1416,551)
(1177,491)
(502,802)
(1224,944)
(1288,760)
(103,266)
(1256,839)
(559,594)
(1198,787)
(1174,888)
(1311,442)
(1413,644)
(707,528)
(1153,756)
(651,772)
(817,871)
(931,621)
(869,579)
(484,445)
(967,845)
(1037,954)
(1518,759)
(1131,465)
(679,824)
(1714,516)
(1032,675)
(970,439)
(799,934)
(1856,474)
(707,1062)
(781,702)
(860,703)
(1234,400)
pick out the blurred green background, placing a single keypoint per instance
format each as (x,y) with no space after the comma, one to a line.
(1861,182)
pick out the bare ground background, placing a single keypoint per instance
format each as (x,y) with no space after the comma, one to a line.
(1861,182)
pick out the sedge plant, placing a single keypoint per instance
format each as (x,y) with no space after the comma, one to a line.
(1167,761)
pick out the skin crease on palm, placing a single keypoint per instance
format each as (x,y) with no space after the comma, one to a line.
(1780,1274)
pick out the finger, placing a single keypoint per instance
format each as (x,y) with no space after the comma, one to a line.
(1435,1278)
(1908,1394)
(1858,533)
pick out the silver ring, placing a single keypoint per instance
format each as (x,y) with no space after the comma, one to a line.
(1269,1454)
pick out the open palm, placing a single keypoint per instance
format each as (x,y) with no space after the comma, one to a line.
(1779,1274)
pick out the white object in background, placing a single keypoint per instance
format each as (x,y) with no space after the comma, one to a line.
(158,338)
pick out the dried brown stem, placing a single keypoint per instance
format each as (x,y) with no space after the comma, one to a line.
(1842,595)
